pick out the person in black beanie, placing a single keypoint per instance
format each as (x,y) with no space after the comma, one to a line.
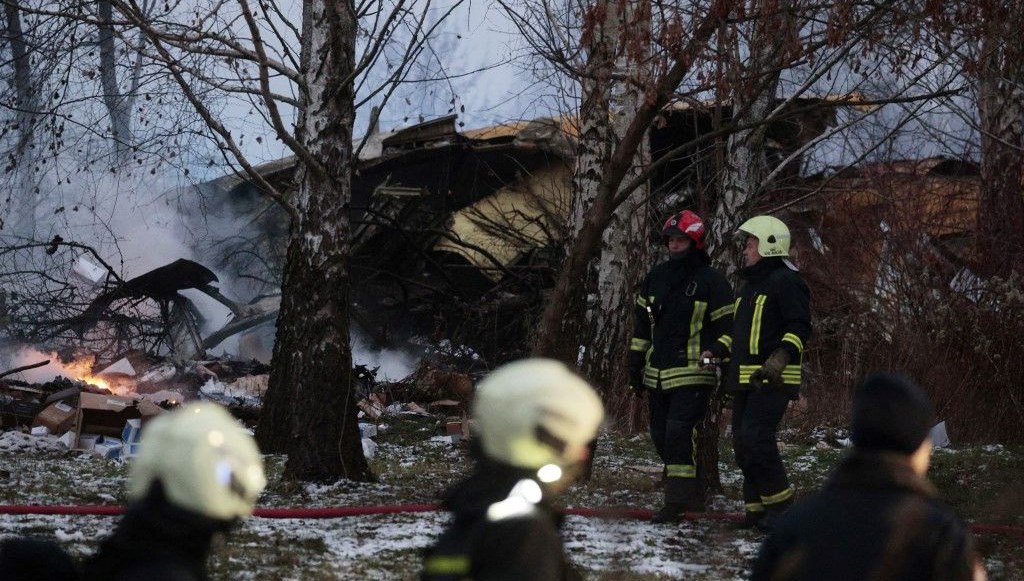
(877,517)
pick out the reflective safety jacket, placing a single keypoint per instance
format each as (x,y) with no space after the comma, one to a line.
(497,533)
(682,309)
(772,312)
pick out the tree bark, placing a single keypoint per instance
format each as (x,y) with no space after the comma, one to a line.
(309,411)
(1000,220)
(609,108)
(117,109)
(21,82)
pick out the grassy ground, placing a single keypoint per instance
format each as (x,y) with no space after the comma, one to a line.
(414,465)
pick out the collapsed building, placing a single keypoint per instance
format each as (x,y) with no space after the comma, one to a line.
(455,234)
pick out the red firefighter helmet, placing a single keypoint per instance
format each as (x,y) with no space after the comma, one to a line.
(685,223)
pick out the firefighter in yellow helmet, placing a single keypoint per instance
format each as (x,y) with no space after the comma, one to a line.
(533,422)
(771,324)
(198,473)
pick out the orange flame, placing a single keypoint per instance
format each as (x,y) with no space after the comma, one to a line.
(81,369)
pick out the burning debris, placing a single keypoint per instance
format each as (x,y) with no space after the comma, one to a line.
(102,408)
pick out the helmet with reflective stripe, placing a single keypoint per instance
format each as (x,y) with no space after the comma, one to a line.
(205,460)
(685,223)
(536,412)
(771,233)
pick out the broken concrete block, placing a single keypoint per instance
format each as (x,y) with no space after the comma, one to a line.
(369,448)
(367,430)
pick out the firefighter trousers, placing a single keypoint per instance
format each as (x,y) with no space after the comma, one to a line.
(755,424)
(675,414)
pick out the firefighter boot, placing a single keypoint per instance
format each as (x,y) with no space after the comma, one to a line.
(772,515)
(750,519)
(682,495)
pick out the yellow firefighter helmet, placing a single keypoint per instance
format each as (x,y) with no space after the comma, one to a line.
(205,460)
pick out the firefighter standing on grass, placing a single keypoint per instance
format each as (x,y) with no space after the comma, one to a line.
(533,421)
(770,326)
(683,308)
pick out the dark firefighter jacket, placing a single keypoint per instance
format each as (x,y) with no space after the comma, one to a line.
(155,541)
(496,535)
(684,306)
(875,519)
(772,311)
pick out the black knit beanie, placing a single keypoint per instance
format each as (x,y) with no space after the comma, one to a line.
(890,413)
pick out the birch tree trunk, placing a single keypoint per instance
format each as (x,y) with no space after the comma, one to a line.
(1001,110)
(115,102)
(25,199)
(607,111)
(309,411)
(563,310)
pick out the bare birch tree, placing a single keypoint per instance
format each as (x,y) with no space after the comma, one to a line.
(309,411)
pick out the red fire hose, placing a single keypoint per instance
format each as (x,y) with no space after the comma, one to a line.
(344,511)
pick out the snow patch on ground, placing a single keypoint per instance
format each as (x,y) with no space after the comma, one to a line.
(27,443)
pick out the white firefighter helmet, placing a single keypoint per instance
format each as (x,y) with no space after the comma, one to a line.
(536,412)
(771,233)
(205,460)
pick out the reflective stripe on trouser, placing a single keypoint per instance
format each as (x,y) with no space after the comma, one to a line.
(456,566)
(755,424)
(674,377)
(674,417)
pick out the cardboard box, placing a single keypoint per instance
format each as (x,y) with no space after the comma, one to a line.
(58,417)
(107,414)
(131,431)
(109,448)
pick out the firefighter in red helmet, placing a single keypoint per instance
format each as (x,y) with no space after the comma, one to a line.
(683,307)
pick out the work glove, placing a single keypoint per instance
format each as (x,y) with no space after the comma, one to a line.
(636,375)
(770,372)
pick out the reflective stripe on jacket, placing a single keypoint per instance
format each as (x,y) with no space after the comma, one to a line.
(683,307)
(772,311)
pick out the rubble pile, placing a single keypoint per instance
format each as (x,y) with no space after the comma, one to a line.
(103,411)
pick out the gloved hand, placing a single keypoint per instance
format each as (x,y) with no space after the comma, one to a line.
(636,376)
(770,372)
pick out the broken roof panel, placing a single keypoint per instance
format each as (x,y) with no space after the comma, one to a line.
(497,230)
